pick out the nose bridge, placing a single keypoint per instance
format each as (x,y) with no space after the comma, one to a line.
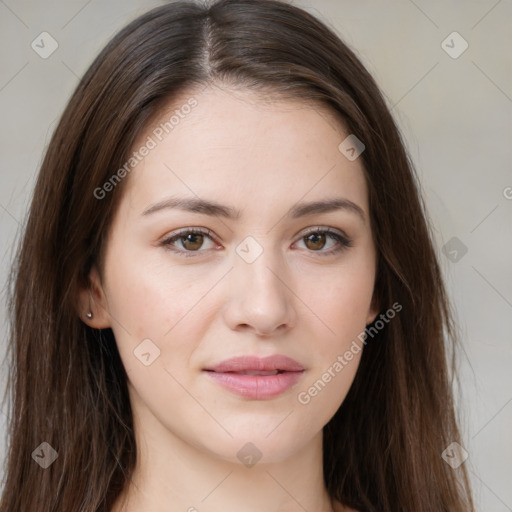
(260,297)
(257,265)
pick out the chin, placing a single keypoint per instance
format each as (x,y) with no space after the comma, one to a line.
(250,446)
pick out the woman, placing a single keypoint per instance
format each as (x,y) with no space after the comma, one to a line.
(227,296)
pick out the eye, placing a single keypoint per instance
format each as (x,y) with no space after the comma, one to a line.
(316,239)
(191,241)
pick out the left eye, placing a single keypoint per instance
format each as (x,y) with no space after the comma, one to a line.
(192,241)
(316,240)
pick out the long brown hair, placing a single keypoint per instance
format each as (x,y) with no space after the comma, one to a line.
(382,449)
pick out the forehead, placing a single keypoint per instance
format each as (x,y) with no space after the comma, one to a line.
(244,146)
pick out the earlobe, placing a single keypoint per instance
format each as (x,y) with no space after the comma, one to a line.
(93,309)
(373,311)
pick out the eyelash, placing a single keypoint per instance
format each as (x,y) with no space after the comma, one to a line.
(343,242)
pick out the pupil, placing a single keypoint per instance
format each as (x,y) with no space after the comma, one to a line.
(191,238)
(317,238)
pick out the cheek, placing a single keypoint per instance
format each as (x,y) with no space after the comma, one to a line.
(326,387)
(151,296)
(340,299)
(349,305)
(342,304)
(147,303)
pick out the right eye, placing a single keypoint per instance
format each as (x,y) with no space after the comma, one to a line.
(191,241)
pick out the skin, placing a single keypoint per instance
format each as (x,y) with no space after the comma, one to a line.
(295,299)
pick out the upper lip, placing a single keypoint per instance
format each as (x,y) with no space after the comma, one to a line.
(253,363)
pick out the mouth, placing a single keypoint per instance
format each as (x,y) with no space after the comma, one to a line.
(256,378)
(256,372)
(269,365)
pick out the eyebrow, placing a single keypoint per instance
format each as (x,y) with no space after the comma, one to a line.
(213,208)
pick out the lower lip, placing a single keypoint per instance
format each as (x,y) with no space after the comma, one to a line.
(256,387)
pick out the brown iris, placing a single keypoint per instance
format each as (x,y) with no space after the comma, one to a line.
(317,239)
(194,241)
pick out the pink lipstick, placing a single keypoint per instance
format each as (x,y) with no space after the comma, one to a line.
(256,378)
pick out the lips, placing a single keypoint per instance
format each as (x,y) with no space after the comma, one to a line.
(257,364)
(256,378)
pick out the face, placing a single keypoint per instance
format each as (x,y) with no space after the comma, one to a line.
(231,295)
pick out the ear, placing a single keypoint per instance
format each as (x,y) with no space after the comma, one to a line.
(92,299)
(373,311)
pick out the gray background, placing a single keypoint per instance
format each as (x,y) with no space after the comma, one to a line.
(455,114)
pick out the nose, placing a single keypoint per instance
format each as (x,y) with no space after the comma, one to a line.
(260,297)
